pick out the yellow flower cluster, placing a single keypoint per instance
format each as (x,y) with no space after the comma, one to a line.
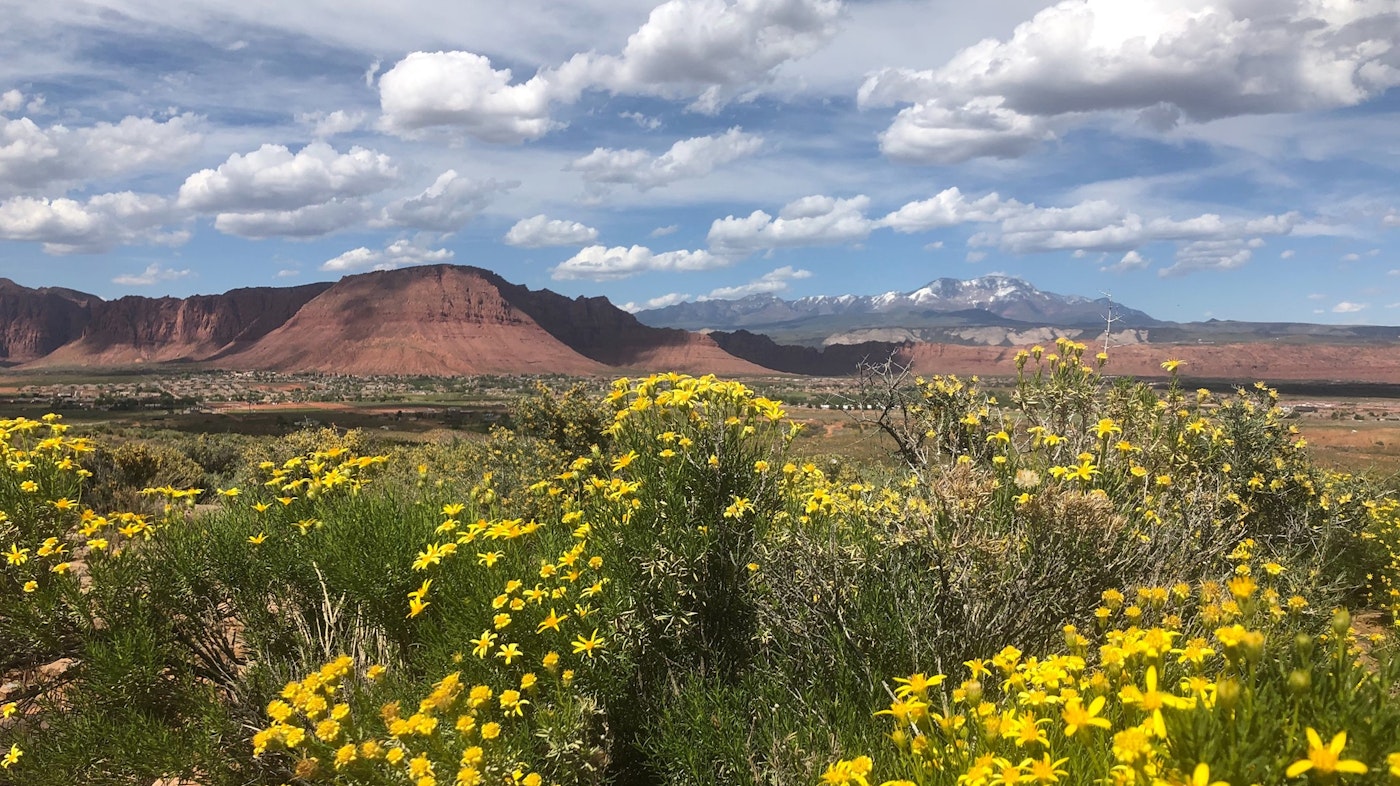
(1112,714)
(314,721)
(44,523)
(317,473)
(1383,529)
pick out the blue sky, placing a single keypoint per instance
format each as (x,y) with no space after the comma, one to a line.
(1194,158)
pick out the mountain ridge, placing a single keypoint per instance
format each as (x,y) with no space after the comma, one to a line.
(992,300)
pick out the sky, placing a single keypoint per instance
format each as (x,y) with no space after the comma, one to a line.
(1235,159)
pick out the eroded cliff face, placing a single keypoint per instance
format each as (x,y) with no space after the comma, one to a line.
(35,322)
(137,329)
(436,320)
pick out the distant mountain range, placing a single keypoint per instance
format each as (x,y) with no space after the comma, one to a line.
(945,302)
(447,320)
(985,311)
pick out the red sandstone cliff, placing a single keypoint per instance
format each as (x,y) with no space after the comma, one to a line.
(439,320)
(35,322)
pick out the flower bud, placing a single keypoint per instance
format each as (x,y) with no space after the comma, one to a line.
(974,691)
(1299,682)
(1303,645)
(1227,693)
(1254,647)
(1341,622)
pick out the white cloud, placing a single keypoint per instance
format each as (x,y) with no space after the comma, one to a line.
(1165,60)
(1287,254)
(707,49)
(153,274)
(33,157)
(1347,307)
(448,204)
(948,208)
(662,301)
(643,121)
(288,272)
(1102,226)
(102,222)
(1317,296)
(981,128)
(669,229)
(1130,261)
(1391,218)
(810,221)
(687,158)
(1209,255)
(304,222)
(773,281)
(600,263)
(540,231)
(325,125)
(461,90)
(1351,257)
(400,253)
(273,178)
(976,256)
(10,100)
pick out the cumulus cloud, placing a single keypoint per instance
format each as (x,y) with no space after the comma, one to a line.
(1130,261)
(448,204)
(770,282)
(463,91)
(1391,218)
(707,49)
(152,275)
(274,178)
(981,128)
(669,229)
(687,158)
(600,263)
(1198,255)
(1167,61)
(1347,307)
(1101,226)
(302,222)
(325,125)
(643,121)
(400,253)
(809,221)
(541,231)
(100,223)
(661,301)
(10,100)
(948,208)
(33,157)
(1012,226)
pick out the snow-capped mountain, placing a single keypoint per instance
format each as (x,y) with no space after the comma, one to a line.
(946,302)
